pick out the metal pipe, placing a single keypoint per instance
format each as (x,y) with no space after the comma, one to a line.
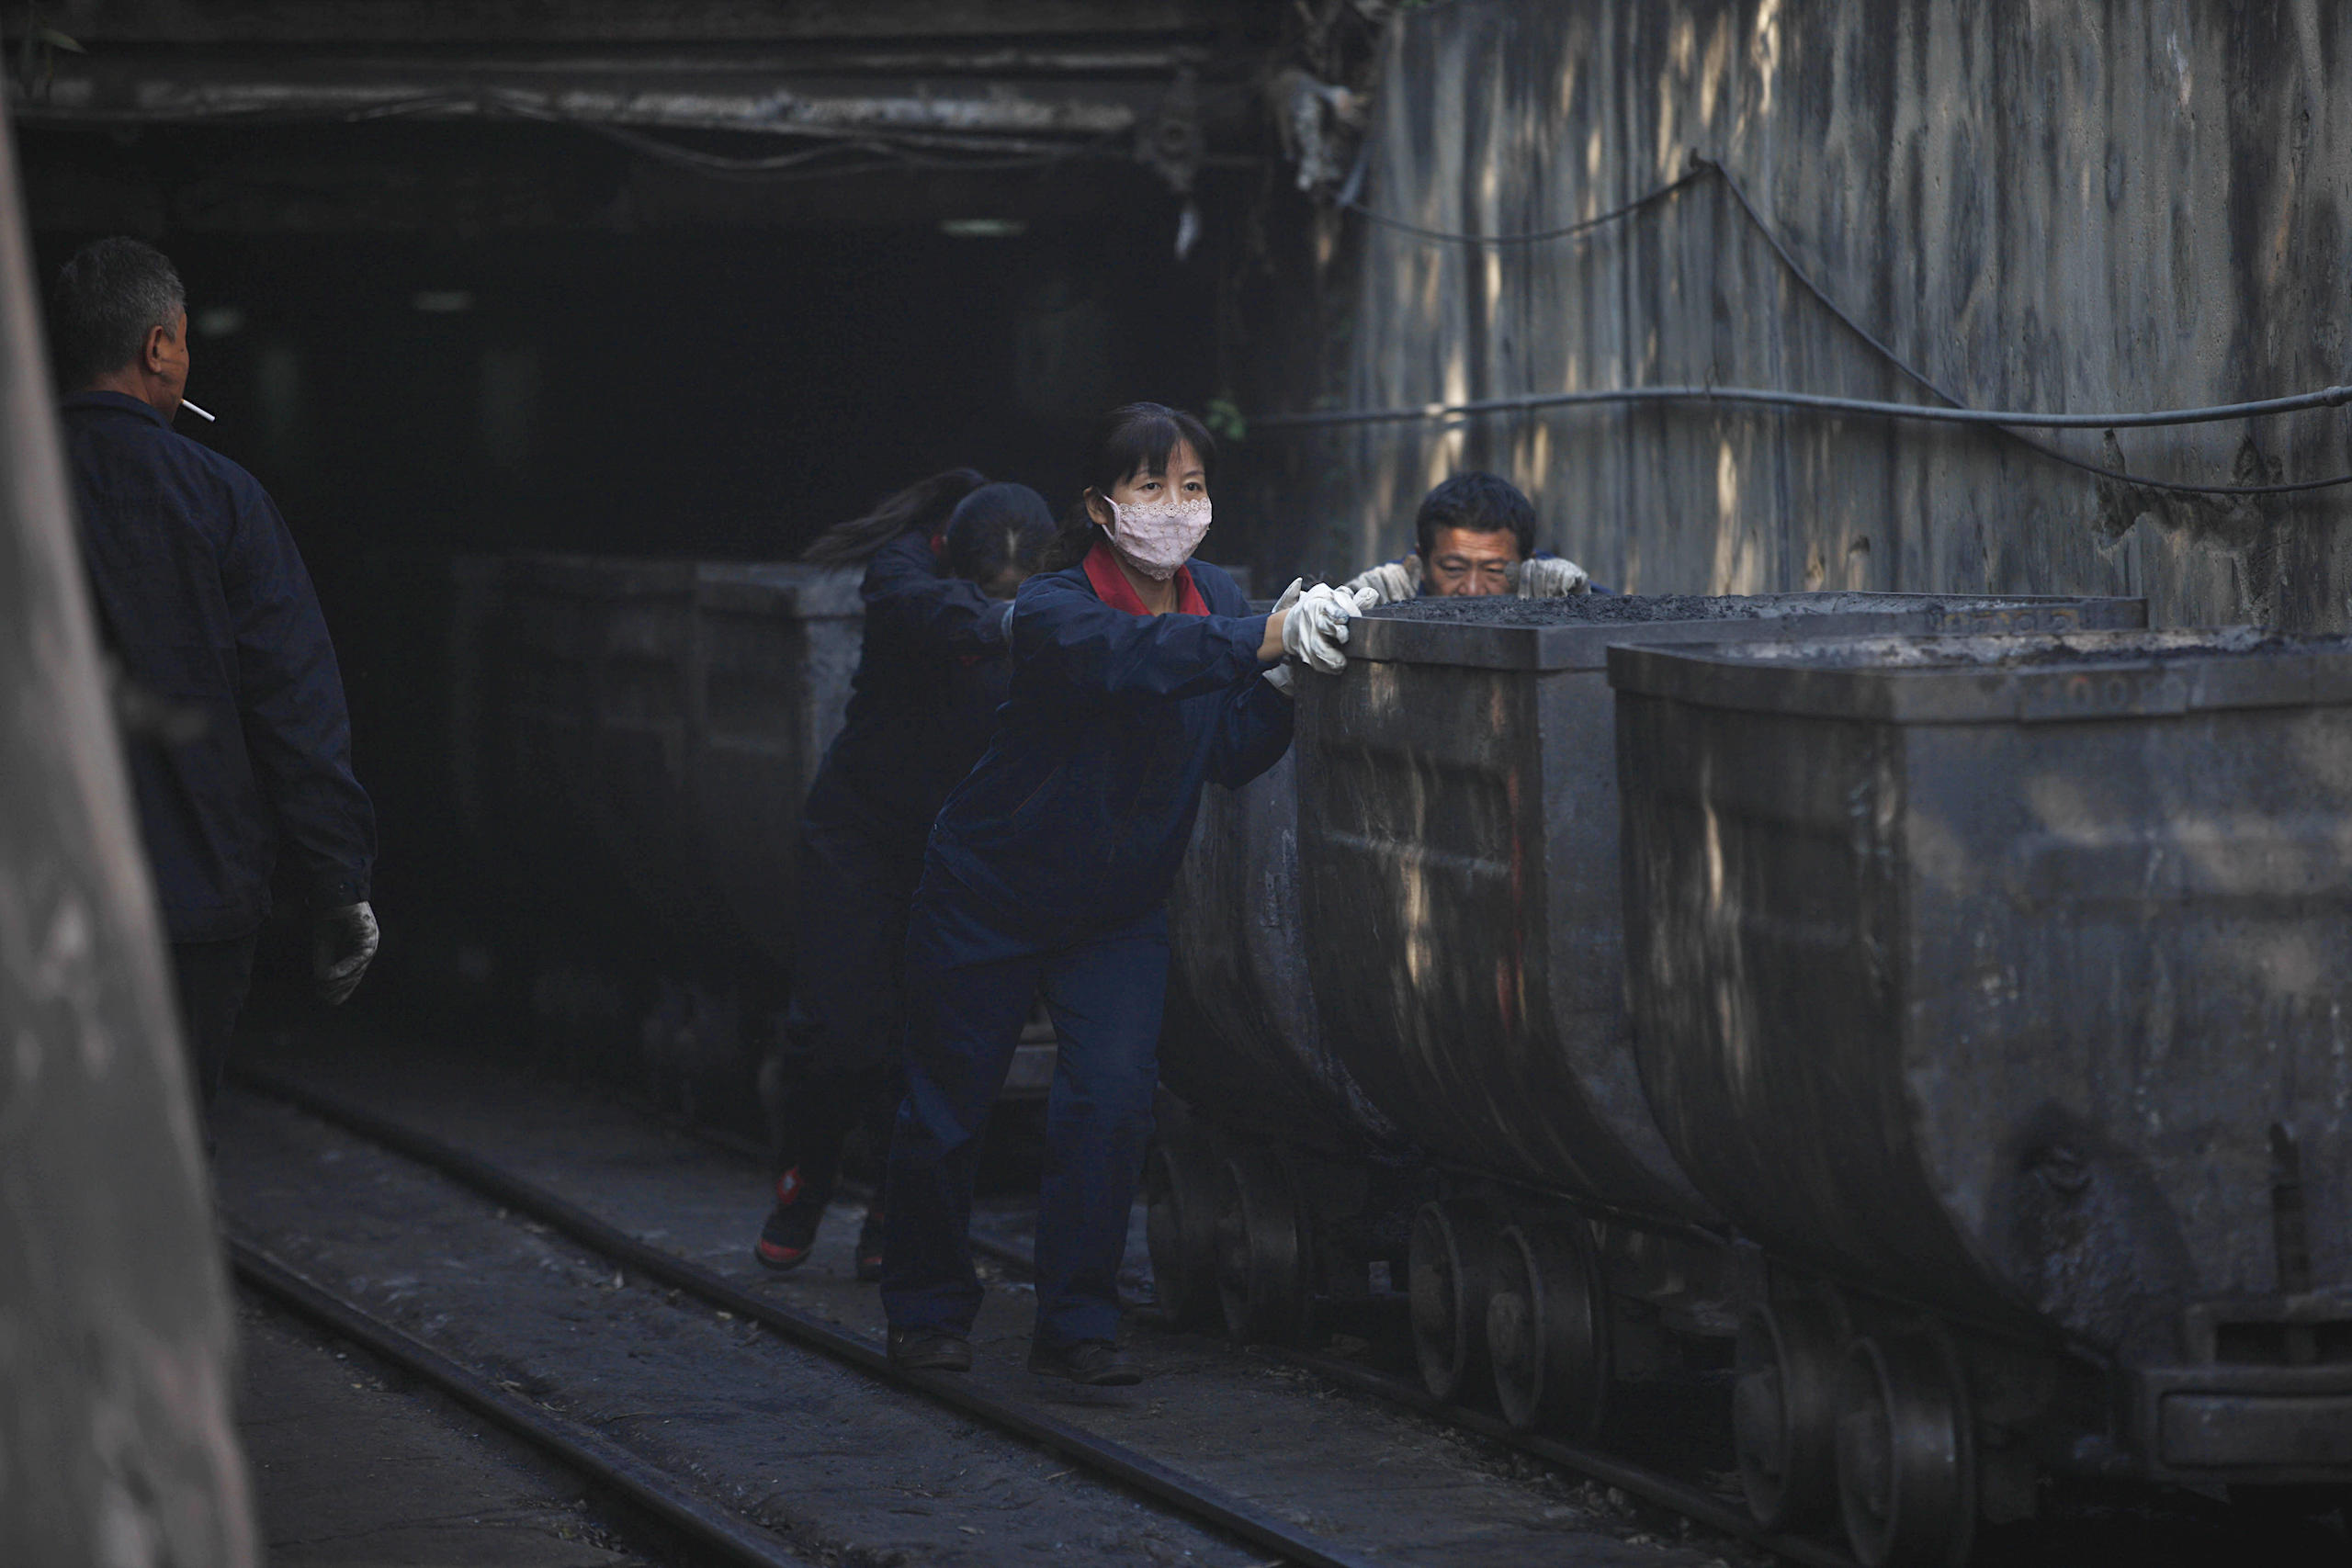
(2330,397)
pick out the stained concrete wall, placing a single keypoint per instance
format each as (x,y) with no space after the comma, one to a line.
(115,1443)
(2048,206)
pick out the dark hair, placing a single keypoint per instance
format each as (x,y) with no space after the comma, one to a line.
(924,504)
(997,527)
(1483,503)
(1136,439)
(107,298)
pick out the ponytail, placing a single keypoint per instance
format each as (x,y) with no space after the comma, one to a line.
(924,504)
(1074,538)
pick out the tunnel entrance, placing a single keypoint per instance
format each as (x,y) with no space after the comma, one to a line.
(684,282)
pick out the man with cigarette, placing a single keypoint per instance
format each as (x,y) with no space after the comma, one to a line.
(208,614)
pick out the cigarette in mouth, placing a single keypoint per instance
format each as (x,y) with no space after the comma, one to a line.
(198,411)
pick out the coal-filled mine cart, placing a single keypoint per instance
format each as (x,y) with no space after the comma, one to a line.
(1459,895)
(1997,989)
(1283,1129)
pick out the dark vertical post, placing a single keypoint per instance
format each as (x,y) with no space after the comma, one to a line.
(117,1443)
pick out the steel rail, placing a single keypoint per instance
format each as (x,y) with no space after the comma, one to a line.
(1639,1480)
(582,1449)
(1196,1500)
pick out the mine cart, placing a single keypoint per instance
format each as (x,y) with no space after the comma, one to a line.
(1460,899)
(1243,1042)
(1995,989)
(640,754)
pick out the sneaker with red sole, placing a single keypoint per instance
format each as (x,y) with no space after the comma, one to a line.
(869,1246)
(790,1234)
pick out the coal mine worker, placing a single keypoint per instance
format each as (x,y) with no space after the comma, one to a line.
(943,558)
(206,613)
(1474,535)
(1137,674)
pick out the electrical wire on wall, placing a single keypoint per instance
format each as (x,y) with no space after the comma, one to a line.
(1950,410)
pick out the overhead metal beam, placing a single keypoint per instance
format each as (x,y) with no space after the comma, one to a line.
(397,22)
(670,92)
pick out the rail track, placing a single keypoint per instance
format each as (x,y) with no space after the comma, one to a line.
(1184,1495)
(579,1449)
(1653,1486)
(1109,1459)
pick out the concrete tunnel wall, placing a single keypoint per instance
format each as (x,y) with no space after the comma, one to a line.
(2043,206)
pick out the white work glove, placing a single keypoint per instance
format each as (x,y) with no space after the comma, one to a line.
(1279,675)
(1318,626)
(1392,582)
(1549,577)
(342,942)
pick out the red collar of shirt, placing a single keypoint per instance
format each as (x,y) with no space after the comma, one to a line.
(1111,584)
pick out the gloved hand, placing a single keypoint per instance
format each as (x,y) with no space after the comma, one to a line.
(342,942)
(1549,577)
(1279,675)
(1318,626)
(1392,582)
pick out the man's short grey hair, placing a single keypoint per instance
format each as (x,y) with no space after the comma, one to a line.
(106,299)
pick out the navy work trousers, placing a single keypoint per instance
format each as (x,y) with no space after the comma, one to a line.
(211,979)
(969,985)
(840,1070)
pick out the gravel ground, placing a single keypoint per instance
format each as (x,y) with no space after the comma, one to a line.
(856,1474)
(352,1467)
(849,1471)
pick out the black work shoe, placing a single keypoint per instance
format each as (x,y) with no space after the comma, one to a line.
(1098,1363)
(869,1246)
(929,1350)
(791,1231)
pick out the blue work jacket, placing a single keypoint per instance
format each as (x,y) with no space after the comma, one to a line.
(1081,808)
(931,673)
(203,599)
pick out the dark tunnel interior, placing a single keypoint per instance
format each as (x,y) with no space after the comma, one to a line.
(433,342)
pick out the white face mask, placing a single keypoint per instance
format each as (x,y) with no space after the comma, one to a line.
(1158,537)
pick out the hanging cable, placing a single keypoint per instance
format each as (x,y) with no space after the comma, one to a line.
(1954,411)
(1805,280)
(1497,242)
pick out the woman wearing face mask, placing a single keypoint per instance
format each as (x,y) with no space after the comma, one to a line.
(943,558)
(1137,676)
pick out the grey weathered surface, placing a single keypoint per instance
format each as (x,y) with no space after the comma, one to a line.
(2054,207)
(2011,983)
(116,1445)
(1458,852)
(2023,882)
(1243,1045)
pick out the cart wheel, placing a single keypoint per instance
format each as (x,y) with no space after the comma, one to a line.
(1904,1481)
(1264,1256)
(1180,1190)
(1784,1422)
(1456,1258)
(1547,1329)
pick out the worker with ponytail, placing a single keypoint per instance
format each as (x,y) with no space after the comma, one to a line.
(1138,674)
(942,558)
